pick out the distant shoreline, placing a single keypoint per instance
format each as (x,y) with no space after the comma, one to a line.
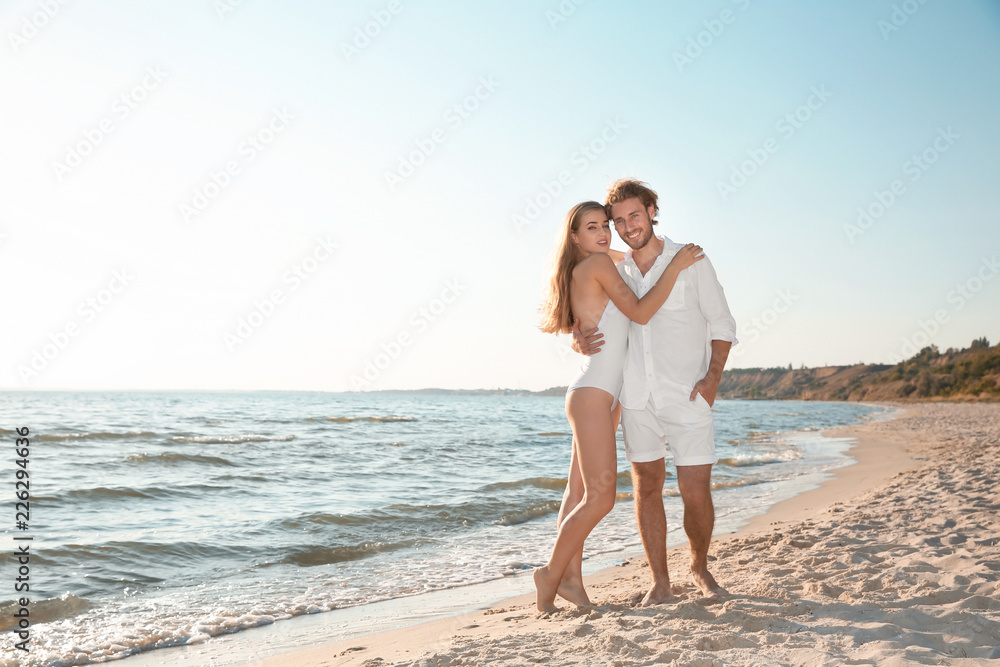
(967,375)
(550,392)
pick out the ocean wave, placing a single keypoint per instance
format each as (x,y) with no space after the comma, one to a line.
(132,554)
(310,556)
(553,483)
(174,458)
(92,435)
(735,483)
(348,420)
(513,567)
(761,459)
(374,524)
(554,433)
(244,479)
(44,611)
(756,436)
(528,514)
(231,439)
(317,519)
(623,479)
(101,493)
(114,641)
(112,493)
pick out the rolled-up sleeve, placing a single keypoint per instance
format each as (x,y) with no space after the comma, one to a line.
(712,301)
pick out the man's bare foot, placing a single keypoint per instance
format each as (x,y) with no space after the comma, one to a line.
(658,594)
(545,590)
(573,591)
(706,583)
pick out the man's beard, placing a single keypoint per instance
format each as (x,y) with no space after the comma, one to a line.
(641,240)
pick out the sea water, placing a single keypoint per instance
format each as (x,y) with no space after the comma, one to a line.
(161,519)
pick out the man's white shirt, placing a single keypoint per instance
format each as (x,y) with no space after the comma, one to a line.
(667,356)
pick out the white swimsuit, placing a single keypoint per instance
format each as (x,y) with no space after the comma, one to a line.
(604,370)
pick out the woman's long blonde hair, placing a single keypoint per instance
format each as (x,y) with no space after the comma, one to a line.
(557,316)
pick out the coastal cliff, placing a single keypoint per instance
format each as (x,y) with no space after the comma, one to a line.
(969,374)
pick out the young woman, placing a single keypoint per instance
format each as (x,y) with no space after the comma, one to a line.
(585,285)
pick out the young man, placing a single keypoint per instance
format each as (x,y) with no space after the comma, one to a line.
(671,377)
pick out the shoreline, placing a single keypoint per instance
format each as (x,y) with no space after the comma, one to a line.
(875,462)
(877,459)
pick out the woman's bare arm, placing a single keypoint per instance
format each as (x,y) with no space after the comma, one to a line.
(642,310)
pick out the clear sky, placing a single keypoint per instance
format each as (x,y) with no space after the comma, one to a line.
(327,196)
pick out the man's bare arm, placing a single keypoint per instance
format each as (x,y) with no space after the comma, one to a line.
(708,386)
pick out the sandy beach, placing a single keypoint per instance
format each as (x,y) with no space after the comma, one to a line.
(896,560)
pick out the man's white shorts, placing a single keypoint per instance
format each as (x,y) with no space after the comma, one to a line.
(686,426)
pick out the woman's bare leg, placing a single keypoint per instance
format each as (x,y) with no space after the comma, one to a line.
(571,585)
(589,412)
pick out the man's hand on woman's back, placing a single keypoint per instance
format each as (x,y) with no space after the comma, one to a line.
(586,342)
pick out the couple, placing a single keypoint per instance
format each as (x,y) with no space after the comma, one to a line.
(662,355)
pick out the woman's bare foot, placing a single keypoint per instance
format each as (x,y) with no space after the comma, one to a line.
(706,583)
(658,594)
(572,590)
(545,590)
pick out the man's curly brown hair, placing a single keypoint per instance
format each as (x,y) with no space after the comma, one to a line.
(626,188)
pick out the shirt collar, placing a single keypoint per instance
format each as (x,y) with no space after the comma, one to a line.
(628,253)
